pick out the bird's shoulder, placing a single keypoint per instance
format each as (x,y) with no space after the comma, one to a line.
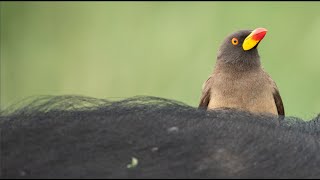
(207,83)
(269,79)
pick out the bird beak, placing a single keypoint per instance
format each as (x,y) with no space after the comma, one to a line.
(254,38)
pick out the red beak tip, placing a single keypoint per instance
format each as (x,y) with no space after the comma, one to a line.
(259,33)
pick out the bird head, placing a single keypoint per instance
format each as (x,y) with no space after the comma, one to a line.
(241,47)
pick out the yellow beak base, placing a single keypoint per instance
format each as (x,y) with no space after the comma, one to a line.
(254,38)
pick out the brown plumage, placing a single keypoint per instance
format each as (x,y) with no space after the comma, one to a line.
(238,80)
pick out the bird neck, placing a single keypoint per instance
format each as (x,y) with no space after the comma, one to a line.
(239,66)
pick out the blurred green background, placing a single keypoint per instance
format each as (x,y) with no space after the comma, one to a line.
(117,50)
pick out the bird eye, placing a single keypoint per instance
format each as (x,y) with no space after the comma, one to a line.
(234,41)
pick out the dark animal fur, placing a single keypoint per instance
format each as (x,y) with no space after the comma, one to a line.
(79,137)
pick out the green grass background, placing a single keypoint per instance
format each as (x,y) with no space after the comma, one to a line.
(117,50)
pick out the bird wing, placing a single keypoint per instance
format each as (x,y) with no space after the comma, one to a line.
(276,96)
(206,91)
(278,101)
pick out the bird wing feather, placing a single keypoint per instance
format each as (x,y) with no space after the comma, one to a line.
(278,101)
(277,98)
(206,93)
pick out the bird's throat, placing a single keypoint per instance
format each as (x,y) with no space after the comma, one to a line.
(240,65)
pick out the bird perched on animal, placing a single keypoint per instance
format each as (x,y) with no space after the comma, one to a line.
(238,80)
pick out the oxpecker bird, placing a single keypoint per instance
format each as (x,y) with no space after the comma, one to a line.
(238,80)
